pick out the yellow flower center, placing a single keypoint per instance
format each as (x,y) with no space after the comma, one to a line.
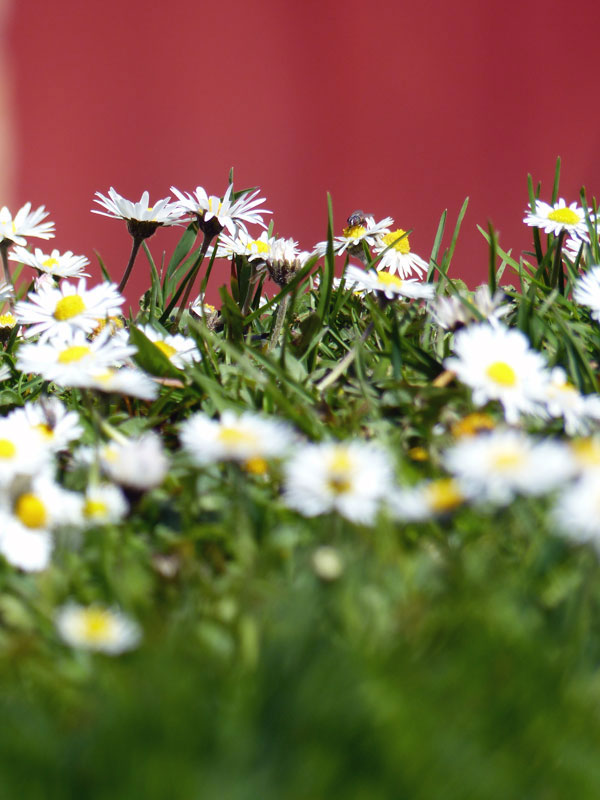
(389,280)
(472,424)
(69,307)
(564,215)
(354,231)
(256,466)
(418,453)
(258,246)
(235,437)
(50,263)
(506,460)
(398,240)
(166,349)
(502,373)
(31,511)
(96,624)
(74,353)
(340,465)
(587,451)
(7,449)
(114,324)
(7,320)
(444,495)
(45,430)
(95,509)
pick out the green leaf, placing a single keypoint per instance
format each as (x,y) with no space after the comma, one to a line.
(150,358)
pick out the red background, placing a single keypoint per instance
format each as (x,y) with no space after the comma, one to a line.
(400,110)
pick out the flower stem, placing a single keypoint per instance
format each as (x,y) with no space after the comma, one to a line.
(279,319)
(191,277)
(137,241)
(4,252)
(556,269)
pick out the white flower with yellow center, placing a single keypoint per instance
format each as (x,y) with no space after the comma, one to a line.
(498,364)
(70,360)
(29,549)
(558,217)
(427,500)
(576,513)
(497,465)
(25,223)
(228,214)
(451,313)
(122,380)
(179,349)
(138,463)
(49,418)
(355,233)
(105,630)
(22,451)
(61,265)
(55,311)
(247,438)
(162,212)
(564,400)
(396,255)
(586,291)
(242,244)
(390,285)
(103,504)
(350,478)
(39,503)
(585,455)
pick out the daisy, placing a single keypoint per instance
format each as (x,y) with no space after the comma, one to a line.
(97,628)
(361,228)
(56,311)
(161,213)
(563,400)
(577,511)
(104,504)
(498,364)
(180,350)
(25,223)
(69,361)
(427,500)
(50,419)
(451,313)
(587,291)
(242,244)
(284,260)
(123,380)
(139,463)
(24,548)
(350,478)
(497,465)
(214,214)
(39,503)
(396,255)
(389,285)
(585,455)
(22,451)
(61,265)
(247,438)
(557,218)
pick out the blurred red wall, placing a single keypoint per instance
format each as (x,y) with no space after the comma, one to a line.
(397,109)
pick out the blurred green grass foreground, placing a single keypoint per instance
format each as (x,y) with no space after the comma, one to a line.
(337,538)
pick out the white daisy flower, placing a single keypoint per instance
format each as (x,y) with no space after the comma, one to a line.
(585,455)
(350,478)
(563,400)
(162,212)
(242,244)
(25,223)
(577,511)
(247,437)
(69,361)
(558,217)
(396,255)
(228,214)
(426,500)
(55,311)
(498,364)
(586,291)
(24,548)
(138,463)
(103,505)
(105,630)
(497,465)
(450,313)
(179,349)
(39,503)
(390,285)
(361,228)
(123,380)
(285,260)
(50,419)
(61,265)
(22,451)
(6,292)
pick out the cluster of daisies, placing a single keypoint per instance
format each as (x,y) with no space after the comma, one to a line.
(75,337)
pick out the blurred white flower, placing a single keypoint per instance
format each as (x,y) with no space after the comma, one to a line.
(25,223)
(586,291)
(105,630)
(61,265)
(389,285)
(137,463)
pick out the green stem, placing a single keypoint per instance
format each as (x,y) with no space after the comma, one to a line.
(137,241)
(281,309)
(4,245)
(557,267)
(191,277)
(346,361)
